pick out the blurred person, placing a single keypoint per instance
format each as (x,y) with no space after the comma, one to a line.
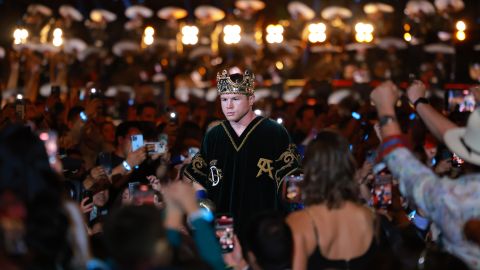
(242,161)
(448,204)
(108,133)
(304,123)
(147,112)
(54,235)
(269,245)
(334,230)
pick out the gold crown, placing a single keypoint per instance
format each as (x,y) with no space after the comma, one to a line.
(225,85)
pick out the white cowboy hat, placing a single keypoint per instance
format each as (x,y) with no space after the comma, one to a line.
(439,48)
(138,11)
(338,96)
(74,45)
(416,6)
(126,45)
(97,15)
(375,7)
(465,141)
(200,51)
(358,46)
(325,48)
(457,5)
(38,8)
(209,12)
(71,12)
(132,24)
(171,12)
(387,42)
(444,36)
(296,8)
(250,5)
(292,94)
(332,12)
(262,93)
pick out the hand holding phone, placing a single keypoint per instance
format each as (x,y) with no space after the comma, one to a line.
(293,191)
(382,191)
(224,232)
(137,142)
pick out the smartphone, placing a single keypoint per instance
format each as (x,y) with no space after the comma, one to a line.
(95,93)
(382,191)
(49,139)
(142,194)
(81,95)
(105,160)
(132,186)
(457,161)
(156,147)
(137,142)
(192,151)
(87,194)
(224,232)
(173,118)
(371,156)
(20,107)
(292,186)
(460,100)
(83,116)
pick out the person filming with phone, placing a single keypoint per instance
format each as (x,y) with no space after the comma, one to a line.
(448,204)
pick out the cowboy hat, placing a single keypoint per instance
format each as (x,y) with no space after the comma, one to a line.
(250,4)
(296,8)
(69,11)
(465,142)
(138,11)
(171,12)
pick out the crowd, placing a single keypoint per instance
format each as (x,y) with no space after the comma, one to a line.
(145,160)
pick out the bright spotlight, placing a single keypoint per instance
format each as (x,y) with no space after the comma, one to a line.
(461,26)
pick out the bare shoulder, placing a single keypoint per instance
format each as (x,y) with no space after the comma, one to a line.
(297,219)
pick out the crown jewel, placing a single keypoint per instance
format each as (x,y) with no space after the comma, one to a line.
(225,85)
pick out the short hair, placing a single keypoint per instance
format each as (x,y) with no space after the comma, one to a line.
(270,239)
(143,106)
(132,234)
(329,169)
(74,112)
(123,129)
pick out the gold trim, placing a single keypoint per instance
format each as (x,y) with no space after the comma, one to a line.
(244,139)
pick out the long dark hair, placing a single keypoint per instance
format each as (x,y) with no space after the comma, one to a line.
(329,169)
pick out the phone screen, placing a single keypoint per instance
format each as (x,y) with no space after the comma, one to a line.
(293,191)
(137,142)
(49,139)
(382,191)
(460,100)
(457,161)
(224,232)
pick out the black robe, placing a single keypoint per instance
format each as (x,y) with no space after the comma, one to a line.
(244,175)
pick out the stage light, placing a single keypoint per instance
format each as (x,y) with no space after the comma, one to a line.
(364,32)
(57,37)
(274,33)
(407,37)
(279,65)
(461,36)
(149,31)
(231,34)
(316,32)
(461,26)
(189,35)
(148,40)
(20,36)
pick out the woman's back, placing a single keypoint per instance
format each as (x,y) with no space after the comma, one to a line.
(330,237)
